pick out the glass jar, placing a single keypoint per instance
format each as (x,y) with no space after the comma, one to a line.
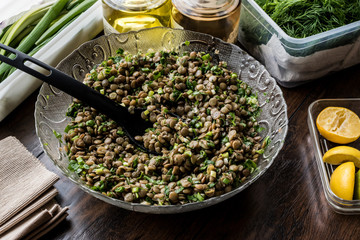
(219,18)
(132,15)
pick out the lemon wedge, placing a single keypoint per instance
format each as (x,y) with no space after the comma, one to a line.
(357,186)
(338,125)
(342,181)
(340,154)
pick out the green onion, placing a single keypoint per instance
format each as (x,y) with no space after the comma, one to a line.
(188,153)
(169,171)
(211,185)
(120,51)
(15,42)
(179,190)
(225,140)
(167,191)
(40,28)
(90,123)
(72,4)
(157,75)
(206,57)
(199,197)
(266,141)
(234,75)
(111,79)
(3,31)
(66,18)
(160,91)
(251,165)
(119,189)
(135,163)
(172,178)
(29,18)
(260,151)
(226,181)
(233,120)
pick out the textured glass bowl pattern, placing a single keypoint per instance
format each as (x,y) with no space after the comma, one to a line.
(52,103)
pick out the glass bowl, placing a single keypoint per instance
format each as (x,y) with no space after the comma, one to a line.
(52,104)
(321,146)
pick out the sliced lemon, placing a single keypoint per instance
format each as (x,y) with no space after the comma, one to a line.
(338,124)
(340,154)
(342,181)
(357,186)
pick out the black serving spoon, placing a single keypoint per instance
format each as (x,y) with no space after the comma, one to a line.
(132,123)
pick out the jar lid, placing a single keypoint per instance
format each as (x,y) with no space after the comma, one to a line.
(134,5)
(206,8)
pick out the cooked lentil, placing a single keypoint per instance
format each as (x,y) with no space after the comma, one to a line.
(209,151)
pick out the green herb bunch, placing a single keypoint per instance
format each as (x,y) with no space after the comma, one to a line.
(304,18)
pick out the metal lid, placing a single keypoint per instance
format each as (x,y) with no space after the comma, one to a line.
(134,5)
(206,8)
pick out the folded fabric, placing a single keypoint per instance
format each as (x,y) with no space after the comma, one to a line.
(28,210)
(38,223)
(59,215)
(23,178)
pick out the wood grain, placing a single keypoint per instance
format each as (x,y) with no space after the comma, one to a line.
(287,202)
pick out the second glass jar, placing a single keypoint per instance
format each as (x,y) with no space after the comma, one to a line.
(219,18)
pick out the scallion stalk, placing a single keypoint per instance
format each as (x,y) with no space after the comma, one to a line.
(66,18)
(39,29)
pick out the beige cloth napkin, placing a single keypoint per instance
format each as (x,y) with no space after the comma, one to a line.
(27,208)
(38,223)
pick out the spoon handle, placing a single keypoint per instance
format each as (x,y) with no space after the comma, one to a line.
(67,84)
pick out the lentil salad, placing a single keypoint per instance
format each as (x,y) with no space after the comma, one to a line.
(210,150)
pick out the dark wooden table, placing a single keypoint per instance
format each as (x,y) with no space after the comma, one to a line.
(287,202)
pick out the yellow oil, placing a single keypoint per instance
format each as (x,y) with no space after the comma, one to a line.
(129,18)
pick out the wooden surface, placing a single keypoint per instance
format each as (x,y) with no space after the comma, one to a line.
(287,202)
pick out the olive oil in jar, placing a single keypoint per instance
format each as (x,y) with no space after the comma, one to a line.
(132,15)
(219,18)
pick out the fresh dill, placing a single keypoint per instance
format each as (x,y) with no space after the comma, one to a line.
(304,18)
